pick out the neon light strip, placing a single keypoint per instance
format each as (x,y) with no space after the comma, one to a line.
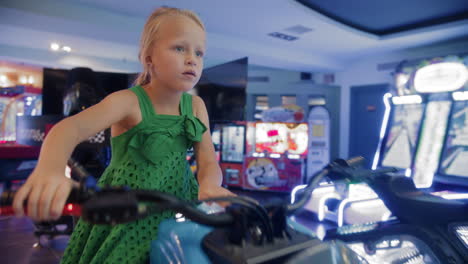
(386,216)
(408,172)
(317,190)
(296,189)
(386,100)
(460,96)
(408,99)
(348,202)
(455,196)
(341,208)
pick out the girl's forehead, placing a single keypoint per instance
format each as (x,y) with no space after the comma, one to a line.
(177,26)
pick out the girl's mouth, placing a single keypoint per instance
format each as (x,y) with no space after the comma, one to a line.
(190,73)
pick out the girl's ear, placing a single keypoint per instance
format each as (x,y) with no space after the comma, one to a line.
(148,60)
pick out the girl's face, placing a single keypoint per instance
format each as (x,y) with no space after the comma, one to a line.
(177,54)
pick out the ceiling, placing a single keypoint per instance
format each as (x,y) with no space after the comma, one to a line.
(390,17)
(328,35)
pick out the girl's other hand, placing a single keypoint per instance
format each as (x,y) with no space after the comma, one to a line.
(46,195)
(213,191)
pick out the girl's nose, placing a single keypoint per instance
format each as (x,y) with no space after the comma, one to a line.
(190,61)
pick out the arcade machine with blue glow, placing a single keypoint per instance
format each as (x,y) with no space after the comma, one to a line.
(456,147)
(433,164)
(426,117)
(428,101)
(453,167)
(441,84)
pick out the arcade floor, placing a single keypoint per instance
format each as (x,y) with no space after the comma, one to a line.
(17,241)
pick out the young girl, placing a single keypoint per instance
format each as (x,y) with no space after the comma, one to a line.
(153,124)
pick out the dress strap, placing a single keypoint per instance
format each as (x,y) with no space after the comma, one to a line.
(186,104)
(146,107)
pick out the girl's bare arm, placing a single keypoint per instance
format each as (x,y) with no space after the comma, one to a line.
(46,188)
(209,173)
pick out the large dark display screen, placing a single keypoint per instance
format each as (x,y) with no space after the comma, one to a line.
(222,88)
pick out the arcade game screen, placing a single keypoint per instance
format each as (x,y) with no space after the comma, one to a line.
(297,139)
(402,138)
(271,138)
(233,144)
(16,101)
(216,138)
(455,154)
(431,142)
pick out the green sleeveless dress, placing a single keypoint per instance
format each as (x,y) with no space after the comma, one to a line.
(151,155)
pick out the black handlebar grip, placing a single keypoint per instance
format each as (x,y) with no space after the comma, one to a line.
(77,168)
(384,171)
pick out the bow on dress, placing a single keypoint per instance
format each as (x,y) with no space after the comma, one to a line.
(153,142)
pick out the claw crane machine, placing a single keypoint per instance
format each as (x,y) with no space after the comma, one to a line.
(20,95)
(276,160)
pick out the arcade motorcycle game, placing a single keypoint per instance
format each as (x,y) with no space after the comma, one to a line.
(248,232)
(425,228)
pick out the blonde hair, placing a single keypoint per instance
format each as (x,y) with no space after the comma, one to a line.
(149,35)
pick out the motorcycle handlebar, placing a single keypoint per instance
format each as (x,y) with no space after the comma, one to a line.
(116,204)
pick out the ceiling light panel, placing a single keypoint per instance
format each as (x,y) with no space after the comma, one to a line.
(282,36)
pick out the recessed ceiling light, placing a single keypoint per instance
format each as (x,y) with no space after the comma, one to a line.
(282,36)
(66,48)
(54,46)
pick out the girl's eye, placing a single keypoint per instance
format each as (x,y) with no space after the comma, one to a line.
(179,48)
(199,54)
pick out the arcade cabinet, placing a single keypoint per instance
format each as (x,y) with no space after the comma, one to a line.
(422,136)
(232,138)
(17,160)
(277,162)
(440,84)
(216,138)
(82,92)
(318,155)
(453,167)
(426,116)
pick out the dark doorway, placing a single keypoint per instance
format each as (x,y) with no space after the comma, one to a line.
(367,111)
